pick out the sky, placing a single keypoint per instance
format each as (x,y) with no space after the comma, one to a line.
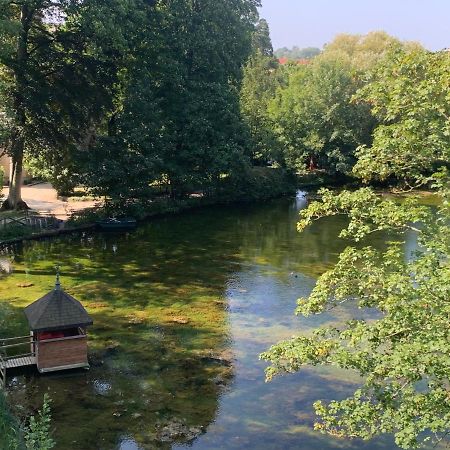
(313,23)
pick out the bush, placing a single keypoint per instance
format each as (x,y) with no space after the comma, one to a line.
(10,438)
(14,232)
(37,433)
(257,183)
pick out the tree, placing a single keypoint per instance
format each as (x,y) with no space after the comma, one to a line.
(409,95)
(261,41)
(315,121)
(206,137)
(364,52)
(402,352)
(179,119)
(58,67)
(262,77)
(298,53)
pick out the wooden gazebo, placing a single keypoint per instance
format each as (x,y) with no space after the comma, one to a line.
(58,331)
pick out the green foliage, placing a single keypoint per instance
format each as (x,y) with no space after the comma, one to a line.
(177,119)
(59,69)
(403,353)
(409,94)
(37,433)
(262,78)
(261,41)
(9,427)
(259,183)
(363,52)
(297,53)
(401,347)
(367,212)
(14,231)
(316,123)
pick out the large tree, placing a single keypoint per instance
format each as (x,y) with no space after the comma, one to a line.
(316,123)
(262,77)
(364,52)
(179,119)
(402,351)
(410,96)
(59,61)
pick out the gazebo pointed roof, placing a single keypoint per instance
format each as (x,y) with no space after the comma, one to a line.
(56,310)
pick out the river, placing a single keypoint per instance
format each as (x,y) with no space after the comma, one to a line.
(182,308)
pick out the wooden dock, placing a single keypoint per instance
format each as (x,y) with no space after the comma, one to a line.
(18,362)
(14,361)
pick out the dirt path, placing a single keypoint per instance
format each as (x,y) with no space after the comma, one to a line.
(43,198)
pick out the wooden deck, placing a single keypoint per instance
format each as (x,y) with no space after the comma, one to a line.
(15,362)
(18,362)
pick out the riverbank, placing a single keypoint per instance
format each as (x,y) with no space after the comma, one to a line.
(263,184)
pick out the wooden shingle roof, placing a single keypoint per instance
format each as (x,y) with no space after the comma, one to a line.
(56,310)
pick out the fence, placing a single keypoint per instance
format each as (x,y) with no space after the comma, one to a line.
(31,221)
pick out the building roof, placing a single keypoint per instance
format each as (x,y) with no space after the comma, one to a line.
(298,62)
(56,310)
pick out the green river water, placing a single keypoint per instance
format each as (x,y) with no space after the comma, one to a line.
(182,307)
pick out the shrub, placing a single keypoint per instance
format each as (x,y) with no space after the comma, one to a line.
(37,433)
(10,438)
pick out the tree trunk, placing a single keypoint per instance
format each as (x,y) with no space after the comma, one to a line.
(14,200)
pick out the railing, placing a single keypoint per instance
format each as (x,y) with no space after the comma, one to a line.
(3,340)
(2,371)
(9,343)
(33,221)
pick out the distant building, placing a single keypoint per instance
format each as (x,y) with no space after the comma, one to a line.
(299,62)
(5,164)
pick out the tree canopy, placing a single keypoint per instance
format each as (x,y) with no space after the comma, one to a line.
(316,123)
(402,347)
(410,96)
(297,53)
(59,66)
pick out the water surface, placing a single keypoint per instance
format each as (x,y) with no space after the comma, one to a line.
(182,307)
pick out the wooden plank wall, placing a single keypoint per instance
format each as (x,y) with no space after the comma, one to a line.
(65,352)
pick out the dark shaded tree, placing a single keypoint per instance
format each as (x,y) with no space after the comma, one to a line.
(59,65)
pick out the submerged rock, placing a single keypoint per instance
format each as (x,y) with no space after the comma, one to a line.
(178,431)
(135,320)
(180,320)
(25,285)
(98,305)
(222,304)
(223,358)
